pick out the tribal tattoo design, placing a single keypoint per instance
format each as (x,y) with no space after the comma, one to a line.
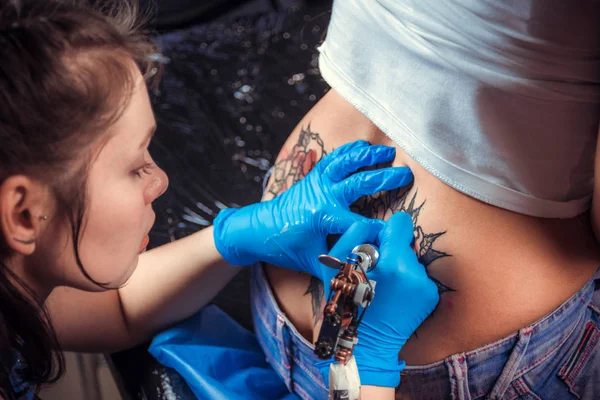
(384,204)
(294,164)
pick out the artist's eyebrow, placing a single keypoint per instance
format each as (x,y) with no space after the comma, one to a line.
(148,136)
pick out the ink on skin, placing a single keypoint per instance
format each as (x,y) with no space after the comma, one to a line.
(289,169)
(300,160)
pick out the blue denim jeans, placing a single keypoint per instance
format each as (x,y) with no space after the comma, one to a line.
(557,357)
(290,355)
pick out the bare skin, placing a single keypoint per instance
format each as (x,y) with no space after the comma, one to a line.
(497,271)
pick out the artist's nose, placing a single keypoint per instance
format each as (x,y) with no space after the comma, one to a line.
(157,185)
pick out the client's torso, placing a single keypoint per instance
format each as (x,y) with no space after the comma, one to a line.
(497,271)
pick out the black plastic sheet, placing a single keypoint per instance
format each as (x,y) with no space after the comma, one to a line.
(229,98)
(231,94)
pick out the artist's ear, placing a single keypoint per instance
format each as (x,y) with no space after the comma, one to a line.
(22,204)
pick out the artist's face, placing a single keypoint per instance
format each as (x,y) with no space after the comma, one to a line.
(122,184)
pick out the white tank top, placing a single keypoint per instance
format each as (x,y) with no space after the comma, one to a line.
(498,99)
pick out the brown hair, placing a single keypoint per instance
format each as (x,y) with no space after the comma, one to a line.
(65,78)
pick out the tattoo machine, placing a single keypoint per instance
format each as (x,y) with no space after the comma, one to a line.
(350,296)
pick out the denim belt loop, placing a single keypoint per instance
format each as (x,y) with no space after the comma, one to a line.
(459,382)
(511,366)
(282,345)
(596,294)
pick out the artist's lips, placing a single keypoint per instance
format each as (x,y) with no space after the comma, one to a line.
(144,244)
(146,239)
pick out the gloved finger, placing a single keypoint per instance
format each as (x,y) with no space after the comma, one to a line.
(431,296)
(335,154)
(364,156)
(398,231)
(363,230)
(337,220)
(370,182)
(341,221)
(360,232)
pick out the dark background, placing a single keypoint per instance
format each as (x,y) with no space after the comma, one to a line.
(238,77)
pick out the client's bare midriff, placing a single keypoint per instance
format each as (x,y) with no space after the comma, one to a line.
(497,271)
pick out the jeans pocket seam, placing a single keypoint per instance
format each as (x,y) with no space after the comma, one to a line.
(297,389)
(549,353)
(525,389)
(300,364)
(571,370)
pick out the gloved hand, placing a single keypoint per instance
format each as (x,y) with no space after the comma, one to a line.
(291,230)
(404,297)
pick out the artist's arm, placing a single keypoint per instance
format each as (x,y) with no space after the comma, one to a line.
(171,283)
(377,393)
(176,280)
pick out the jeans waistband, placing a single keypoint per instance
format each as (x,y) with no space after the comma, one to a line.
(511,357)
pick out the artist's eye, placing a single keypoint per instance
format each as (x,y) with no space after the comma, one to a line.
(143,170)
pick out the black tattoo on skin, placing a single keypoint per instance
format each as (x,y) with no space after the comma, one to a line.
(301,159)
(396,201)
(294,165)
(316,292)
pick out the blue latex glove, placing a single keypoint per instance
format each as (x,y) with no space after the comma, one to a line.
(290,231)
(218,359)
(404,297)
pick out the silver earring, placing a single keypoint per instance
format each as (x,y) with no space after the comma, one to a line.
(44,218)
